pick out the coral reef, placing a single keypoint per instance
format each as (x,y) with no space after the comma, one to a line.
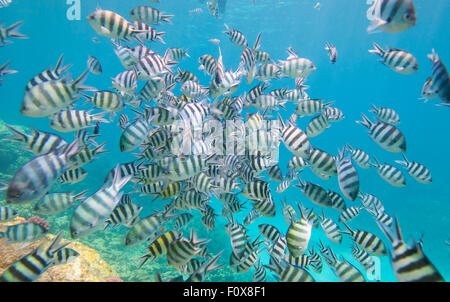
(39,220)
(87,267)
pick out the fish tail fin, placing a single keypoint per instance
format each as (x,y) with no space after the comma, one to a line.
(11,31)
(119,181)
(56,244)
(378,50)
(80,196)
(21,137)
(166,18)
(366,122)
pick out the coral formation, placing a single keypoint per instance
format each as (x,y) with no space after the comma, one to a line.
(87,267)
(39,220)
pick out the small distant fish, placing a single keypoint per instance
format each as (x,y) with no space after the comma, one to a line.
(196,11)
(94,65)
(398,60)
(214,41)
(317,6)
(332,52)
(391,15)
(386,115)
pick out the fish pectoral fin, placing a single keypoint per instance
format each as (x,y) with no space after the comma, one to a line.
(105,31)
(376,23)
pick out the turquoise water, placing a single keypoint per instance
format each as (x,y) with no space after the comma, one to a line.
(354,82)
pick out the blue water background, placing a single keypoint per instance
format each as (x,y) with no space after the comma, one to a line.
(354,82)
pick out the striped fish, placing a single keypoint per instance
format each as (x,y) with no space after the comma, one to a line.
(346,272)
(391,15)
(149,15)
(208,63)
(267,72)
(293,274)
(125,82)
(248,262)
(236,37)
(49,74)
(298,163)
(260,273)
(382,217)
(323,162)
(298,235)
(144,230)
(439,82)
(57,202)
(39,142)
(7,214)
(125,214)
(361,158)
(317,125)
(256,190)
(418,171)
(50,97)
(316,261)
(347,176)
(112,25)
(349,214)
(265,207)
(73,120)
(133,135)
(182,220)
(367,241)
(269,232)
(398,60)
(33,180)
(24,232)
(386,115)
(33,265)
(295,139)
(294,66)
(183,168)
(331,229)
(73,176)
(337,201)
(182,250)
(371,202)
(409,262)
(65,255)
(148,33)
(90,214)
(315,193)
(364,259)
(311,107)
(125,56)
(106,100)
(385,135)
(94,65)
(159,246)
(262,57)
(278,248)
(390,174)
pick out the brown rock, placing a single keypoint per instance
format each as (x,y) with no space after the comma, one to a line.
(87,267)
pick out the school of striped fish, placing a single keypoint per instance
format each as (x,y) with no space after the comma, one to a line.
(179,139)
